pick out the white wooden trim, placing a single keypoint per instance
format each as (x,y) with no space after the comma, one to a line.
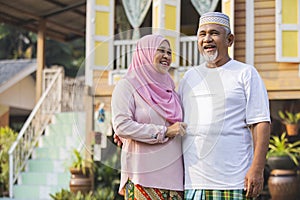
(89,49)
(231,17)
(101,38)
(91,38)
(250,32)
(285,27)
(173,2)
(232,25)
(102,8)
(178,15)
(289,27)
(98,67)
(155,3)
(111,33)
(278,30)
(113,73)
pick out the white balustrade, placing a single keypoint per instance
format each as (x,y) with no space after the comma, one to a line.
(33,128)
(189,55)
(123,50)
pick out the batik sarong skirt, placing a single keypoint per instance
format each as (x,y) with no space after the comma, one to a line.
(138,192)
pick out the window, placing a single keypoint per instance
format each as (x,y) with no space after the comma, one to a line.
(287,31)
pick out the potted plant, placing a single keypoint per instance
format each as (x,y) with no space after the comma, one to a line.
(283,160)
(81,173)
(290,120)
(282,154)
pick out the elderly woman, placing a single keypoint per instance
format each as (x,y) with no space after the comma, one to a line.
(147,118)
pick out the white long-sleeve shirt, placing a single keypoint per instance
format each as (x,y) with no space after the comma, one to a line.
(148,158)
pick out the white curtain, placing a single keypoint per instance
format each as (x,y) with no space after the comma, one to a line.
(203,6)
(136,11)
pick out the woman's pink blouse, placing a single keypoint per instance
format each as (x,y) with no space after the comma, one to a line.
(148,158)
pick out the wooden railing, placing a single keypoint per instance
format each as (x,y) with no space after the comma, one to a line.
(123,50)
(189,55)
(48,104)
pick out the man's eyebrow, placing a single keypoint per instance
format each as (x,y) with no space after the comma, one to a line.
(209,31)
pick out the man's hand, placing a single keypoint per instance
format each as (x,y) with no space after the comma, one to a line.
(254,182)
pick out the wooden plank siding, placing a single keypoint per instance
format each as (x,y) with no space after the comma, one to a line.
(240,30)
(101,87)
(281,79)
(102,91)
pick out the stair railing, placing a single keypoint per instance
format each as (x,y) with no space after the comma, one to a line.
(34,127)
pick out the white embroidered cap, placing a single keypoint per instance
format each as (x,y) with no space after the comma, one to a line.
(214,18)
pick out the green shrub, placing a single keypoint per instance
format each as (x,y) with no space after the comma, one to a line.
(99,194)
(7,137)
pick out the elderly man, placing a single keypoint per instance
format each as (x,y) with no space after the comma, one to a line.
(226,108)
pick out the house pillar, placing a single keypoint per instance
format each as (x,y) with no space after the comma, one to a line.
(228,9)
(99,53)
(40,58)
(166,21)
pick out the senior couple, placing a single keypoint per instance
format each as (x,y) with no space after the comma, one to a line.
(209,140)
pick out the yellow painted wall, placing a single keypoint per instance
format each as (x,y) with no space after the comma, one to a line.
(101,53)
(102,25)
(289,38)
(170,20)
(289,11)
(102,2)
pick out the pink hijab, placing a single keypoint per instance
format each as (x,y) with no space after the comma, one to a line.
(155,88)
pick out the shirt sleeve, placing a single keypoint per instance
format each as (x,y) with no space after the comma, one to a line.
(123,108)
(257,106)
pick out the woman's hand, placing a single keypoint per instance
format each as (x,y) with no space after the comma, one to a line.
(179,128)
(117,140)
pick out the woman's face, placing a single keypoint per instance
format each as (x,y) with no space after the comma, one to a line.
(163,58)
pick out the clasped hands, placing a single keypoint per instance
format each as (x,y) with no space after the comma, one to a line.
(178,128)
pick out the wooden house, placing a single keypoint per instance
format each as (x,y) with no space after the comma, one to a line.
(17,91)
(266,36)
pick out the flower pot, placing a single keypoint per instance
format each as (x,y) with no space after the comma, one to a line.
(284,185)
(291,129)
(80,181)
(281,162)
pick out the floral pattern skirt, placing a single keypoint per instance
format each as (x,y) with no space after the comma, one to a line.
(138,192)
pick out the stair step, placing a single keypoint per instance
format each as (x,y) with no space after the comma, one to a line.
(32,192)
(46,179)
(68,142)
(47,172)
(60,129)
(68,117)
(43,165)
(53,152)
